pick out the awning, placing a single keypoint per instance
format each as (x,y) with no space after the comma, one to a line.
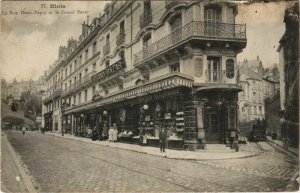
(155,85)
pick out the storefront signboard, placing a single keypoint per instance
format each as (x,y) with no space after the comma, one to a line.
(114,68)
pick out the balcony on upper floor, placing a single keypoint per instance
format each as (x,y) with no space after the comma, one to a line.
(57,93)
(234,34)
(106,49)
(146,18)
(79,84)
(120,39)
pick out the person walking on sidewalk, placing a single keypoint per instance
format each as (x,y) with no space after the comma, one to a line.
(162,139)
(23,129)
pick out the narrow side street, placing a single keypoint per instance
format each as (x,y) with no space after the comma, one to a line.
(62,165)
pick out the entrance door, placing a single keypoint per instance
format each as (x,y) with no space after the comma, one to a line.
(211,128)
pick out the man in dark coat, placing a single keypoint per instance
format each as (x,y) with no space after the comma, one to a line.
(162,139)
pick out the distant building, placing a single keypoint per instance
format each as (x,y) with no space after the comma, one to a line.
(256,89)
(289,69)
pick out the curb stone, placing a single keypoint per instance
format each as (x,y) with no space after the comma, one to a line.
(156,155)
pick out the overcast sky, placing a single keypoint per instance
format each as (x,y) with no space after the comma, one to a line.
(30,42)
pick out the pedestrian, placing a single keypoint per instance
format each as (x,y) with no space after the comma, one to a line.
(23,129)
(100,131)
(163,139)
(94,134)
(110,134)
(115,133)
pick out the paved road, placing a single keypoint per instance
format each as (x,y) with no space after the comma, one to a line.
(61,165)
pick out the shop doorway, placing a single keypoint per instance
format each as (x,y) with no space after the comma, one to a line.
(214,130)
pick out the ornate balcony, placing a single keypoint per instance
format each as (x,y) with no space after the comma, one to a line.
(57,93)
(48,99)
(194,30)
(78,84)
(146,18)
(106,49)
(120,39)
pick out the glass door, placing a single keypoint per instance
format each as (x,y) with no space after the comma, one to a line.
(214,69)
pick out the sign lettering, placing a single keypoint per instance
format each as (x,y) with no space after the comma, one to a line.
(109,71)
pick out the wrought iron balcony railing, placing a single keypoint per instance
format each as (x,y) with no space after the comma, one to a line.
(214,76)
(106,49)
(146,18)
(194,29)
(120,39)
(79,83)
(57,93)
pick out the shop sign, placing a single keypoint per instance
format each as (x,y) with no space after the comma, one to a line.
(144,99)
(116,67)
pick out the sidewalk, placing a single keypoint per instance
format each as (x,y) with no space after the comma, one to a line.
(246,150)
(279,145)
(13,176)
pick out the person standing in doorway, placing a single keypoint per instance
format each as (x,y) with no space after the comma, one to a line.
(163,139)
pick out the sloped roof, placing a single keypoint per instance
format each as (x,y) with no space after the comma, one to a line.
(249,72)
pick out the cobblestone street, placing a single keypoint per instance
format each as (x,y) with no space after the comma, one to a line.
(62,165)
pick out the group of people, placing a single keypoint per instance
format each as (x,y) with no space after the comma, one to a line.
(113,136)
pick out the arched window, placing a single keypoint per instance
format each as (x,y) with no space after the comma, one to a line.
(229,68)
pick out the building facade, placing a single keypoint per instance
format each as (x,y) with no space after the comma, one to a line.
(257,89)
(289,71)
(149,64)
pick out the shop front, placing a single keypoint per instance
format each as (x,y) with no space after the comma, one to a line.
(216,116)
(48,121)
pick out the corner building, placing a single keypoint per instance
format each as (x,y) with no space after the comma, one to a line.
(149,64)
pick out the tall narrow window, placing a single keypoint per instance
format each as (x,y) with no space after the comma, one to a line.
(214,69)
(94,67)
(70,68)
(86,54)
(94,47)
(175,67)
(75,64)
(79,98)
(80,59)
(229,68)
(85,95)
(176,23)
(74,99)
(147,8)
(122,27)
(107,39)
(107,64)
(212,19)
(147,40)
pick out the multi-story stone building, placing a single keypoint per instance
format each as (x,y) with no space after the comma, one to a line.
(150,64)
(258,87)
(289,74)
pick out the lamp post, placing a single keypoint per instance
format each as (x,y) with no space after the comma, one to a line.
(62,118)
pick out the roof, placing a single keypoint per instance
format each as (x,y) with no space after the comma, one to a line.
(249,73)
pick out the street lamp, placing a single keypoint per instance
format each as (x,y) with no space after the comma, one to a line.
(63,108)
